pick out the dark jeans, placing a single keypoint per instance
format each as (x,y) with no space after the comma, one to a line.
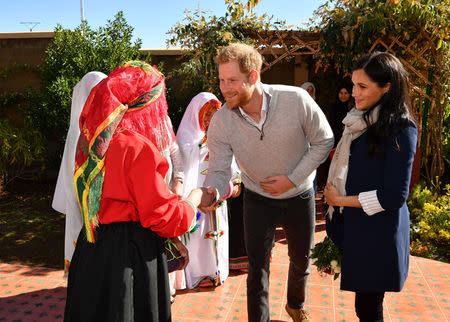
(261,217)
(369,306)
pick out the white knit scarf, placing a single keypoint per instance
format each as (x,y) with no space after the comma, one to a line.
(355,126)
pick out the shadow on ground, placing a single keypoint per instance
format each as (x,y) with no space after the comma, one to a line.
(31,232)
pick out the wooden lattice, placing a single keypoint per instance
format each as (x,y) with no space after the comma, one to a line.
(418,55)
(284,43)
(417,66)
(422,61)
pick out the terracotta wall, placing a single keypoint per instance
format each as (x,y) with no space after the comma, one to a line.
(20,49)
(29,48)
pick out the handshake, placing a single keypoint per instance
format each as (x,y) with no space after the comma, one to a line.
(203,198)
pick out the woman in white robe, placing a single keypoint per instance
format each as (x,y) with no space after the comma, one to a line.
(208,245)
(174,180)
(64,199)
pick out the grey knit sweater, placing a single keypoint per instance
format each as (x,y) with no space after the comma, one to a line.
(295,139)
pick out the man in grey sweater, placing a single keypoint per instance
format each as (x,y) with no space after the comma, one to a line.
(279,136)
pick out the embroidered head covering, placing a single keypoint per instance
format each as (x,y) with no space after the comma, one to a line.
(191,137)
(131,97)
(64,199)
(206,111)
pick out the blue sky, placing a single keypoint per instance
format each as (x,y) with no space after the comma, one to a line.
(151,19)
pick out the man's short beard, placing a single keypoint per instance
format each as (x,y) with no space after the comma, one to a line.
(243,99)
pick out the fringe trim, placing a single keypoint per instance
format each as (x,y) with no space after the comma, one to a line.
(238,263)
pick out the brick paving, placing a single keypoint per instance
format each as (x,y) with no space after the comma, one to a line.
(38,294)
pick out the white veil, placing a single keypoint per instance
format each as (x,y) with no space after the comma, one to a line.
(189,137)
(64,199)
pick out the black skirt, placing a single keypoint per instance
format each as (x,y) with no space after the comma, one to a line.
(122,277)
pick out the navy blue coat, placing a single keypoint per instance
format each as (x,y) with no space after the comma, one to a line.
(376,248)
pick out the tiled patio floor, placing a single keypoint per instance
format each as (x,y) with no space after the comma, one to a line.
(38,294)
(425,296)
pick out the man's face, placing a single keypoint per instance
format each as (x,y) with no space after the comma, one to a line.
(234,85)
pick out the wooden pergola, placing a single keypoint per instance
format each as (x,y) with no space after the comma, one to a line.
(284,43)
(419,56)
(425,66)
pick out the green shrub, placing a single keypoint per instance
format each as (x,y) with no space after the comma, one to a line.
(446,145)
(430,223)
(204,35)
(350,28)
(71,55)
(19,148)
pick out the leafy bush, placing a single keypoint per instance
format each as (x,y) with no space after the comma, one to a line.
(204,35)
(71,55)
(18,149)
(350,28)
(446,145)
(430,223)
(10,99)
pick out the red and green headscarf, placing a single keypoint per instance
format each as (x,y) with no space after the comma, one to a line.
(132,97)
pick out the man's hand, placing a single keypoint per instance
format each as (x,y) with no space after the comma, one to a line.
(236,190)
(208,199)
(276,185)
(203,198)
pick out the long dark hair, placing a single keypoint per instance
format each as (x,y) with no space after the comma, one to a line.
(395,105)
(350,103)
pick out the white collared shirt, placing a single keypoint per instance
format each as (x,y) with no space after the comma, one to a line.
(263,114)
(369,202)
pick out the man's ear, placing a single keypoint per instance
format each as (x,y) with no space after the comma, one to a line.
(254,77)
(386,88)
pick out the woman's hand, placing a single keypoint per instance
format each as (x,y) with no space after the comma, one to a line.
(202,198)
(183,251)
(177,188)
(335,199)
(331,195)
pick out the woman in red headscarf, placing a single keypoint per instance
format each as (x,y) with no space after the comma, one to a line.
(119,269)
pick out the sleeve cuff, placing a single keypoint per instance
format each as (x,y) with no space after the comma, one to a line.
(194,219)
(179,176)
(229,191)
(369,202)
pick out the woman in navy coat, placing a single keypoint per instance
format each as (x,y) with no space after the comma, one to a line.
(368,184)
